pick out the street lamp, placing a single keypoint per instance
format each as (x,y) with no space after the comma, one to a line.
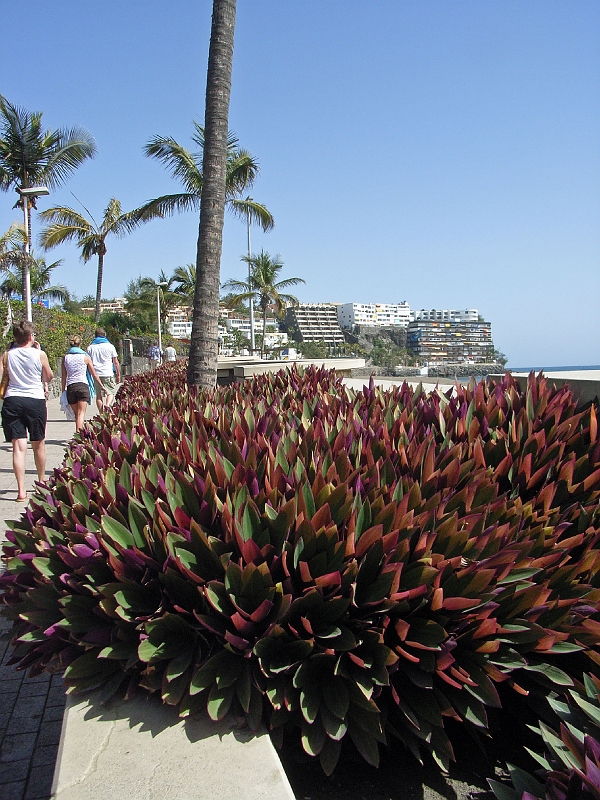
(28,196)
(158,287)
(252,345)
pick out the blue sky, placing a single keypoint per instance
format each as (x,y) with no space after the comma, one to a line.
(443,153)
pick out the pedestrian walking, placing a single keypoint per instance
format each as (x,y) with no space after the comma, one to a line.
(106,363)
(79,379)
(24,410)
(170,353)
(154,356)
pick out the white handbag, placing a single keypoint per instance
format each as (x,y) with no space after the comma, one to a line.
(66,408)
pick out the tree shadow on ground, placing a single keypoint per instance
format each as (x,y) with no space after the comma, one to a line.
(398,777)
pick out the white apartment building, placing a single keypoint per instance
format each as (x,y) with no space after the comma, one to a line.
(445,315)
(374,314)
(179,323)
(273,337)
(117,305)
(180,329)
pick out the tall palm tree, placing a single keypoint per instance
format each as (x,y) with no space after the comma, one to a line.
(65,224)
(263,287)
(204,345)
(40,276)
(186,278)
(31,156)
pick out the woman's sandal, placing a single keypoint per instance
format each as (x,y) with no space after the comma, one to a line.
(22,499)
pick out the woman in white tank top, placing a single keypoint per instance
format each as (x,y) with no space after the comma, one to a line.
(24,409)
(75,367)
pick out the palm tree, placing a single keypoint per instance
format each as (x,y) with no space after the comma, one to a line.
(12,247)
(186,166)
(204,345)
(65,224)
(39,271)
(141,297)
(263,287)
(31,156)
(186,278)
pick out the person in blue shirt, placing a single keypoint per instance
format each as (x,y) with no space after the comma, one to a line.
(154,355)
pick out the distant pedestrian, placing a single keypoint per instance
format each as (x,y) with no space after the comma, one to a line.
(106,363)
(79,379)
(154,356)
(170,353)
(24,409)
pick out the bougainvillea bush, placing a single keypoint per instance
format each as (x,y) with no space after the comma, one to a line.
(377,564)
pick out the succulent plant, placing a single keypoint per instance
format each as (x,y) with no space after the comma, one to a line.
(570,764)
(367,563)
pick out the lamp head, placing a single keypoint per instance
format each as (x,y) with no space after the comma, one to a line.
(33,191)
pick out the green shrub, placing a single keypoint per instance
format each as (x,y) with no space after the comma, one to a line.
(54,328)
(333,562)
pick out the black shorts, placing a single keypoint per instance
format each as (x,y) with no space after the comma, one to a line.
(76,392)
(23,414)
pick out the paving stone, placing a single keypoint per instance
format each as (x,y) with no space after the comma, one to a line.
(12,791)
(53,713)
(56,696)
(50,733)
(39,784)
(45,755)
(17,747)
(25,724)
(34,689)
(10,673)
(43,677)
(7,701)
(10,684)
(26,706)
(15,771)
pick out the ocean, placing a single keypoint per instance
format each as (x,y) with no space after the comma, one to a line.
(551,369)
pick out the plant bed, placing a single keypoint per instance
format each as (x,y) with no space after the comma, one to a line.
(378,566)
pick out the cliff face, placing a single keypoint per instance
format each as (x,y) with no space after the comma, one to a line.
(366,335)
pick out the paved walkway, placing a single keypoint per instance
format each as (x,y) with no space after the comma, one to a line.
(31,709)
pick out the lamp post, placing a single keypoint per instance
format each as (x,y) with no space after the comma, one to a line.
(252,345)
(158,288)
(28,196)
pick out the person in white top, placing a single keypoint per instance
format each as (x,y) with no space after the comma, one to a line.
(75,366)
(24,409)
(170,353)
(106,363)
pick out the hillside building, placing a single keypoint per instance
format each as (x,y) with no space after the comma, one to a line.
(314,322)
(116,306)
(385,315)
(450,337)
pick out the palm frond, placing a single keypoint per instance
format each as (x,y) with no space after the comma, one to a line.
(241,172)
(288,282)
(182,164)
(63,215)
(53,235)
(256,212)
(166,206)
(71,148)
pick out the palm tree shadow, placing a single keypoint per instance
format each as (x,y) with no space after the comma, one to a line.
(398,777)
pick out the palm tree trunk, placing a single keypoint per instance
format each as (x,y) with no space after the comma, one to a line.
(202,364)
(262,347)
(99,286)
